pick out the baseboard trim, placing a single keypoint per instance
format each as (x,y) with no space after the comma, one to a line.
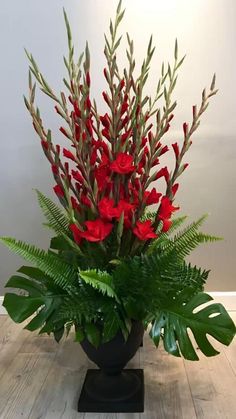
(227,298)
(2,309)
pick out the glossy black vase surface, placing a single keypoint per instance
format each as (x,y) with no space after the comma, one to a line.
(113,388)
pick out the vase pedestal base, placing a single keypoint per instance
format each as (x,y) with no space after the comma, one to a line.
(112,393)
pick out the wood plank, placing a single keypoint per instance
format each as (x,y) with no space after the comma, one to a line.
(21,383)
(59,394)
(168,394)
(212,382)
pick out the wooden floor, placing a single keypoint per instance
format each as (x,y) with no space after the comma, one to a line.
(41,379)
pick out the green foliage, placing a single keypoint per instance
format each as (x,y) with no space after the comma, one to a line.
(176,317)
(61,272)
(102,281)
(57,220)
(99,291)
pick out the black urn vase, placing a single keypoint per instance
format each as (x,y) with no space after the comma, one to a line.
(111,388)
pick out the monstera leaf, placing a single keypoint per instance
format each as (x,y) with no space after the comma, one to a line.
(175,320)
(20,307)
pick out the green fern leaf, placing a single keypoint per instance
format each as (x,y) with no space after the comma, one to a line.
(102,281)
(62,273)
(57,220)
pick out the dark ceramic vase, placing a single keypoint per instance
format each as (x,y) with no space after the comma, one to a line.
(112,388)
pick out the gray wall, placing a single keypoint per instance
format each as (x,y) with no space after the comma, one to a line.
(206,31)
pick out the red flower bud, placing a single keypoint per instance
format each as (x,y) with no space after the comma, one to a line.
(185,128)
(58,148)
(84,136)
(185,166)
(44,144)
(124,108)
(76,109)
(122,84)
(88,103)
(76,233)
(88,79)
(77,176)
(63,130)
(59,191)
(124,121)
(105,121)
(105,97)
(89,127)
(174,189)
(106,134)
(75,204)
(105,73)
(55,170)
(171,117)
(68,154)
(77,132)
(176,150)
(164,150)
(163,172)
(167,127)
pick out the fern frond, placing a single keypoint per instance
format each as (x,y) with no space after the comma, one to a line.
(61,272)
(57,220)
(102,281)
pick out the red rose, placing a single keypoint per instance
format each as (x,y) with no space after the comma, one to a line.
(106,208)
(76,233)
(123,164)
(97,230)
(59,191)
(166,209)
(144,230)
(152,197)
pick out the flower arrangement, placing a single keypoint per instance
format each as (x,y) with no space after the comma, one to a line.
(113,260)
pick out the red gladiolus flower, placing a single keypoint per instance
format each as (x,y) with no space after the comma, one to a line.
(152,197)
(164,150)
(176,150)
(77,176)
(88,79)
(185,128)
(63,131)
(106,208)
(166,208)
(105,97)
(59,191)
(163,172)
(122,164)
(144,230)
(106,133)
(89,127)
(68,154)
(54,169)
(174,189)
(105,121)
(97,230)
(75,204)
(85,200)
(76,233)
(166,224)
(124,108)
(44,144)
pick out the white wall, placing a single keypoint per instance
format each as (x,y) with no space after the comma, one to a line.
(206,31)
